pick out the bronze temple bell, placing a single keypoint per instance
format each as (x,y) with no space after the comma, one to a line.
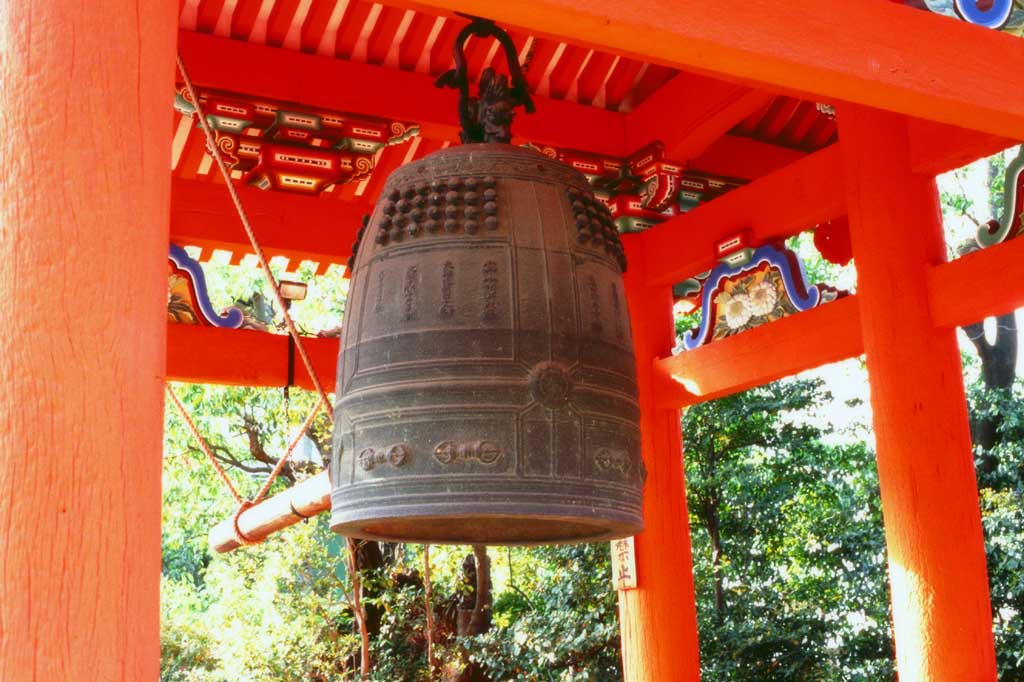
(487,387)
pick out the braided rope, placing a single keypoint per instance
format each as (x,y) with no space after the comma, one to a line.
(288,453)
(211,144)
(204,445)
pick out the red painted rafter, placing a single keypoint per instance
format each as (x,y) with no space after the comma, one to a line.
(689,113)
(365,89)
(846,51)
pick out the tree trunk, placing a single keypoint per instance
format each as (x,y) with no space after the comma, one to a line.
(477,620)
(712,521)
(998,371)
(998,358)
(473,614)
(371,564)
(714,533)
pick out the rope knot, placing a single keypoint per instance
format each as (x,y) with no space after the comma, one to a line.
(240,537)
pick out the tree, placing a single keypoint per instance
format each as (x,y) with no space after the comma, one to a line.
(998,354)
(789,552)
(1001,492)
(556,620)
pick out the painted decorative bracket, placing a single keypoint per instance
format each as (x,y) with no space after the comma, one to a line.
(660,178)
(646,188)
(276,146)
(994,14)
(750,288)
(187,298)
(1012,222)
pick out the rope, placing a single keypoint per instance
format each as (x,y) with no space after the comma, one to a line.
(240,537)
(288,453)
(204,445)
(324,401)
(211,144)
(427,597)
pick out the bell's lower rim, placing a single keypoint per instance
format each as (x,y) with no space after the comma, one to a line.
(499,525)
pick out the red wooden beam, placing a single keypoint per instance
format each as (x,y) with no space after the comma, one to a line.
(292,225)
(794,198)
(829,333)
(736,156)
(689,113)
(857,51)
(937,148)
(658,619)
(978,285)
(340,85)
(242,357)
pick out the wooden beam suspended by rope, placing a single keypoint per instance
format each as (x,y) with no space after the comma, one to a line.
(243,357)
(859,52)
(298,503)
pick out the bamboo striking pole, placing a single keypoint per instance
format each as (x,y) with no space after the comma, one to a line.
(300,502)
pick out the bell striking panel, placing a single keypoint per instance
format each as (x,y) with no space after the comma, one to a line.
(488,387)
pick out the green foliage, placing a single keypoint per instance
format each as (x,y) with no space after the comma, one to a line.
(1002,514)
(566,629)
(796,527)
(275,613)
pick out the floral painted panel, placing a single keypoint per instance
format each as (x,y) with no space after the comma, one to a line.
(767,285)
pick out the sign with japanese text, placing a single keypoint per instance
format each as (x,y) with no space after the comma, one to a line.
(623,564)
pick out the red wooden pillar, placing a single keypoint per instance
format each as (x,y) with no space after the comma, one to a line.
(86,91)
(940,599)
(658,620)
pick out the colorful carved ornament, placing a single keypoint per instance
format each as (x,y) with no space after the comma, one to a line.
(1011,224)
(187,298)
(645,188)
(276,146)
(749,288)
(995,14)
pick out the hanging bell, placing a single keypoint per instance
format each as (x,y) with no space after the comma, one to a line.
(487,387)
